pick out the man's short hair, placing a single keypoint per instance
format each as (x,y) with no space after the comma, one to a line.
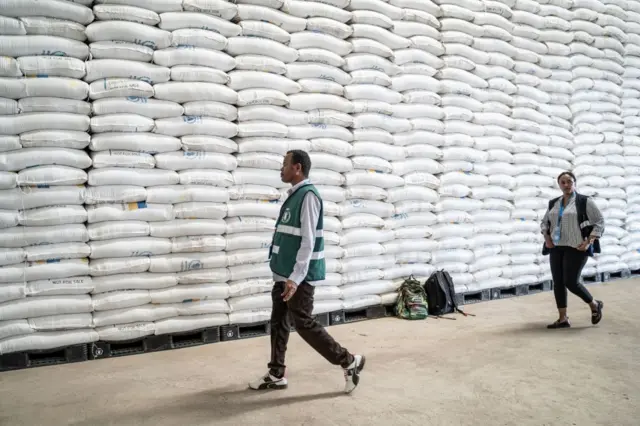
(299,156)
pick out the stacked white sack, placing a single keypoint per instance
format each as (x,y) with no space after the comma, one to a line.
(542,133)
(474,90)
(366,206)
(613,43)
(452,86)
(321,49)
(631,135)
(44,119)
(498,256)
(261,54)
(198,67)
(598,49)
(362,234)
(415,41)
(123,145)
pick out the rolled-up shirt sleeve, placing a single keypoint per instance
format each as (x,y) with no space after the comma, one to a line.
(596,218)
(309,215)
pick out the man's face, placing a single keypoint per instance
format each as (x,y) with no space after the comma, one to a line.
(288,171)
(566,184)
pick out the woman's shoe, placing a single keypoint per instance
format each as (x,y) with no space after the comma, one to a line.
(559,324)
(596,316)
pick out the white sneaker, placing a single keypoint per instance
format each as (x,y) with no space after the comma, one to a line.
(269,382)
(352,373)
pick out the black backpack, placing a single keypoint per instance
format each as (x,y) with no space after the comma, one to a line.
(441,296)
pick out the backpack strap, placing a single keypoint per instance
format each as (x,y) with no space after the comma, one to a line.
(460,311)
(452,295)
(583,217)
(581,207)
(443,317)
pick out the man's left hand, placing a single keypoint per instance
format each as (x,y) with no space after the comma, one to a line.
(289,290)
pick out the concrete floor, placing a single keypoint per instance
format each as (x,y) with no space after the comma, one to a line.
(501,367)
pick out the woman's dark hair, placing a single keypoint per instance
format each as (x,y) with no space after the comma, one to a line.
(301,157)
(571,175)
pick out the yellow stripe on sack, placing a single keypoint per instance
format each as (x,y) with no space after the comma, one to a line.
(136,206)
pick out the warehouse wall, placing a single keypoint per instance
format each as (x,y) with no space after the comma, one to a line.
(139,175)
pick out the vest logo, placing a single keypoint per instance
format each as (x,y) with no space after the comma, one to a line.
(286,216)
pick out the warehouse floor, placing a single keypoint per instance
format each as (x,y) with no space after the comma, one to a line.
(500,368)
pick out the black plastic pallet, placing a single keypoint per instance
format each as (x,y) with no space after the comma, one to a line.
(103,349)
(470,297)
(508,292)
(336,317)
(244,331)
(203,336)
(30,359)
(620,275)
(591,279)
(390,310)
(540,287)
(163,342)
(361,314)
(323,319)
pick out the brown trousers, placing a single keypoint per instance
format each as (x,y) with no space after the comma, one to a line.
(299,308)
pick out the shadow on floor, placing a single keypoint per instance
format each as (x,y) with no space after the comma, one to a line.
(217,404)
(539,328)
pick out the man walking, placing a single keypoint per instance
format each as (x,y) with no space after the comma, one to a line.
(297,261)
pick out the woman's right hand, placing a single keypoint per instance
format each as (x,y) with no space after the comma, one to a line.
(549,244)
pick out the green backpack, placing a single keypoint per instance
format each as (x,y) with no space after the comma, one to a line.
(412,300)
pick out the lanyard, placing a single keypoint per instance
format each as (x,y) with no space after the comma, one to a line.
(561,212)
(557,232)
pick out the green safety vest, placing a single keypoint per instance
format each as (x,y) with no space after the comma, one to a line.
(287,239)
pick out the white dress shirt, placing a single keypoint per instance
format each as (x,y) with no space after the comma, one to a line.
(309,215)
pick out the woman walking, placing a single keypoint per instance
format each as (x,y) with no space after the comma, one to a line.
(571,227)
